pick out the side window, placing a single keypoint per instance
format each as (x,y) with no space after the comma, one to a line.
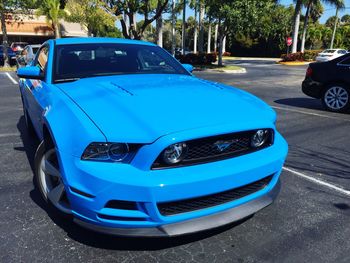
(150,59)
(345,62)
(41,59)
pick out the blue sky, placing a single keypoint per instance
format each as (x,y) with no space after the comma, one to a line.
(329,10)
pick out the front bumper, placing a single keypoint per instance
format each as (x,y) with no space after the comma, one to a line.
(92,185)
(191,226)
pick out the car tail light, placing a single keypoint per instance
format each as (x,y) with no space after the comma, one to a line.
(309,72)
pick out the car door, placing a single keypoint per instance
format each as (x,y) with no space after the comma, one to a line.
(34,90)
(343,70)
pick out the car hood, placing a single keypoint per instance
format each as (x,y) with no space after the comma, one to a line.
(142,108)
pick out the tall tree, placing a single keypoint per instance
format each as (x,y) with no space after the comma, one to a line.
(194,5)
(209,37)
(314,8)
(159,25)
(92,14)
(183,43)
(129,8)
(236,17)
(11,7)
(53,12)
(201,26)
(296,24)
(339,4)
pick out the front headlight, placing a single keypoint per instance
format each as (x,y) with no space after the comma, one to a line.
(109,152)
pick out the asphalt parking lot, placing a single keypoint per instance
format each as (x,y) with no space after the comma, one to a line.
(309,221)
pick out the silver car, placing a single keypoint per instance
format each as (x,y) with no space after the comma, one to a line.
(27,55)
(330,54)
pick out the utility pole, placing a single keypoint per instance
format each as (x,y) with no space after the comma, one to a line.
(183,28)
(335,27)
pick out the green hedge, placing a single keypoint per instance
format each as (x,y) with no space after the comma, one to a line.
(308,55)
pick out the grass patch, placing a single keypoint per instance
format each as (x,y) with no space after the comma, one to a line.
(212,66)
(8,68)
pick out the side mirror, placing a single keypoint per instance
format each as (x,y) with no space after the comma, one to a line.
(188,67)
(31,72)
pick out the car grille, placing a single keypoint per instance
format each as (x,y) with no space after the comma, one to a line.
(207,149)
(189,205)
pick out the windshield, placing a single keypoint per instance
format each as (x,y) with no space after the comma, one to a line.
(101,59)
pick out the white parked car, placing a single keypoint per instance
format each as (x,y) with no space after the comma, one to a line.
(330,54)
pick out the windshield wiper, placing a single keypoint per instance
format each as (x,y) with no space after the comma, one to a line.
(66,80)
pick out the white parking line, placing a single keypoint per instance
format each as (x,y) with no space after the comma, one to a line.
(11,78)
(317,181)
(310,113)
(9,134)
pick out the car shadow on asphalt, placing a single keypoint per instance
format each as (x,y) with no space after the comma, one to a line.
(30,142)
(98,240)
(308,103)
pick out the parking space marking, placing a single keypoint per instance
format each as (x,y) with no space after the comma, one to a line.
(310,113)
(317,181)
(2,135)
(11,78)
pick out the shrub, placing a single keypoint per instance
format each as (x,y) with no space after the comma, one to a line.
(308,55)
(311,55)
(292,57)
(197,59)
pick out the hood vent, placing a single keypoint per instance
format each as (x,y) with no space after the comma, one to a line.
(122,89)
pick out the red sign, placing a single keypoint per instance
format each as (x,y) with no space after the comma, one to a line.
(289,41)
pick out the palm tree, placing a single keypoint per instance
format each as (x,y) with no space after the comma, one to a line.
(339,4)
(53,13)
(315,9)
(315,34)
(194,5)
(201,26)
(298,4)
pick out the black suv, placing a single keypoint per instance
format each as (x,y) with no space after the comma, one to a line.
(330,82)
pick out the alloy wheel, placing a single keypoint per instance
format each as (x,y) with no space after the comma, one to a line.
(336,98)
(51,182)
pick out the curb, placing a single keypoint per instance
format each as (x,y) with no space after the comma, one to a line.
(233,71)
(293,63)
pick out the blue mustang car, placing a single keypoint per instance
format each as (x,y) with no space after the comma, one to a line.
(133,144)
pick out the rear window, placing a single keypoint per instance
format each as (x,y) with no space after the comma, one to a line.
(329,51)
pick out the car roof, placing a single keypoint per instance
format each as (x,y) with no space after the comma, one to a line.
(93,40)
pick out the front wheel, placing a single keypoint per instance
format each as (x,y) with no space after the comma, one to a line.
(336,98)
(48,178)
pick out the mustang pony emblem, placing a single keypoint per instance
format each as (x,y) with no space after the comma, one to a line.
(223,145)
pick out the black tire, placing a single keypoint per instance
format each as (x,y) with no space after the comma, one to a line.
(42,150)
(336,103)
